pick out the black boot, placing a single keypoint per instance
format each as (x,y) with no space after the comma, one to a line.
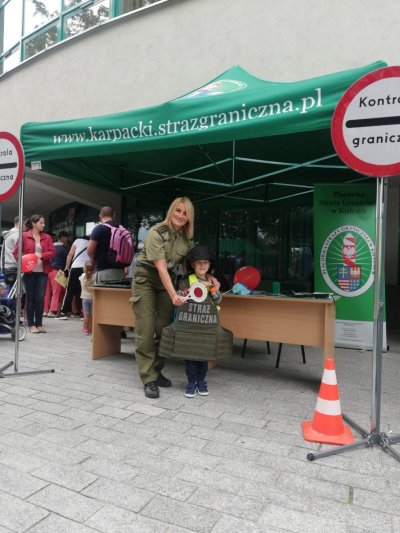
(151,390)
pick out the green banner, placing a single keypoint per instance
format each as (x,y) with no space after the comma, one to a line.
(344,237)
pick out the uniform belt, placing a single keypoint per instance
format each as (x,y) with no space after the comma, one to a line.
(149,267)
(145,265)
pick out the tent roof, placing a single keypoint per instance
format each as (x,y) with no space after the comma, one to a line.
(234,141)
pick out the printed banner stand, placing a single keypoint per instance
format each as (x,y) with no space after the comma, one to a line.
(365,128)
(12,164)
(344,241)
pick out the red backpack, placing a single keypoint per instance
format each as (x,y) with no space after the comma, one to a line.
(121,249)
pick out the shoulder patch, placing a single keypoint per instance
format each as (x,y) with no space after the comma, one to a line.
(163,230)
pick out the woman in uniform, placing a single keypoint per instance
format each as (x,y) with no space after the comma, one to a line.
(153,289)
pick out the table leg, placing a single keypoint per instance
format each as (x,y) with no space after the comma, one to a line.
(329,337)
(106,340)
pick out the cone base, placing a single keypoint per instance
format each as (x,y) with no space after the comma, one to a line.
(314,436)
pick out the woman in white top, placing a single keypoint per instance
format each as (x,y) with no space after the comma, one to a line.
(76,260)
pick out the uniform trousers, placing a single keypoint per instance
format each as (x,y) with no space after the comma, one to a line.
(153,310)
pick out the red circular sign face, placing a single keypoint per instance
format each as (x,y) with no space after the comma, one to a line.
(11,165)
(366,124)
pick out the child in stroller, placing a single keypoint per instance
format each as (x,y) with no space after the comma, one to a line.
(8,320)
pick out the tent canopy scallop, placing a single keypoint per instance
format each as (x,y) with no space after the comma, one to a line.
(237,140)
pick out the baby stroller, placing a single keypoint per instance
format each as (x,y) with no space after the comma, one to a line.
(8,320)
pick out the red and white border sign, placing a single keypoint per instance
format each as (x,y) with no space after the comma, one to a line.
(11,165)
(366,124)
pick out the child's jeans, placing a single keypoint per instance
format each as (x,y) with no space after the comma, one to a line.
(87,306)
(196,370)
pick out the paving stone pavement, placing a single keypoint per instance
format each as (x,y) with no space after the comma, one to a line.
(83,451)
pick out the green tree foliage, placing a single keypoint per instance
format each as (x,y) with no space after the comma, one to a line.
(75,24)
(87,19)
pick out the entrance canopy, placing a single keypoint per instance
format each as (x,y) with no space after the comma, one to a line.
(238,140)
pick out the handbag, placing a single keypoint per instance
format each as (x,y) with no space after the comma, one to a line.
(61,278)
(76,256)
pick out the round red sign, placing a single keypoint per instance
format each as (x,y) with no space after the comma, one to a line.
(11,165)
(366,124)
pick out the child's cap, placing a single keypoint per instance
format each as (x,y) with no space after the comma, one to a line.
(200,253)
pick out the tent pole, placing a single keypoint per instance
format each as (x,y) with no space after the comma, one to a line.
(18,296)
(19,280)
(289,164)
(379,277)
(233,162)
(375,437)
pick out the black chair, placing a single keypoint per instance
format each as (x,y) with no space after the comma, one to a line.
(278,358)
(245,344)
(286,287)
(303,354)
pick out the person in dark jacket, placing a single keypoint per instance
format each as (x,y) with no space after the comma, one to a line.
(35,241)
(99,244)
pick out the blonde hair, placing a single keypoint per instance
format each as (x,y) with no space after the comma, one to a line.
(89,269)
(189,227)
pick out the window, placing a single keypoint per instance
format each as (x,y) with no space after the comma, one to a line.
(40,41)
(10,61)
(38,13)
(87,18)
(71,3)
(10,25)
(133,5)
(30,26)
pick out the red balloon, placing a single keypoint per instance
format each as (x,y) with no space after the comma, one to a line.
(28,262)
(248,276)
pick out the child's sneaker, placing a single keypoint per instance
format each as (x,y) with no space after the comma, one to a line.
(86,332)
(190,390)
(202,388)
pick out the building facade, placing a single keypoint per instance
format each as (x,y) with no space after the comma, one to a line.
(67,59)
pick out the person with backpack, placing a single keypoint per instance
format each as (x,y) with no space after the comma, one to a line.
(110,247)
(153,289)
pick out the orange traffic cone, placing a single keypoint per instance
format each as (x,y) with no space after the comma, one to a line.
(327,425)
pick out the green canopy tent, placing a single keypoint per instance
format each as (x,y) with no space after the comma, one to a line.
(234,142)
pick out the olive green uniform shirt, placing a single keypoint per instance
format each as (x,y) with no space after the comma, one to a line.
(163,242)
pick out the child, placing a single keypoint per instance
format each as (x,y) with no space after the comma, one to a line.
(199,270)
(87,280)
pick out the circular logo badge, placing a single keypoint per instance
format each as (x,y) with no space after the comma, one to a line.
(217,88)
(347,261)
